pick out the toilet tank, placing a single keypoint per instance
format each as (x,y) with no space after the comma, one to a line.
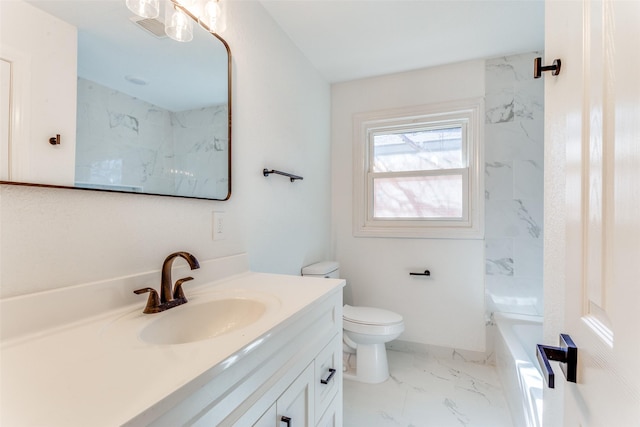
(326,269)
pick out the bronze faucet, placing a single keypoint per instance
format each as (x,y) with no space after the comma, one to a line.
(167,298)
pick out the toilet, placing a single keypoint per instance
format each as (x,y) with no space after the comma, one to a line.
(365,332)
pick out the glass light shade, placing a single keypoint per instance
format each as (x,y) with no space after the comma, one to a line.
(177,24)
(209,15)
(144,8)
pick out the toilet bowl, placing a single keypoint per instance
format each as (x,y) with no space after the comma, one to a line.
(365,332)
(369,329)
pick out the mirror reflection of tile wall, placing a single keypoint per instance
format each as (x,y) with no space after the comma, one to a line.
(125,143)
(514,142)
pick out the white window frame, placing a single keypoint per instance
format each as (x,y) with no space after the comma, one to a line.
(469,114)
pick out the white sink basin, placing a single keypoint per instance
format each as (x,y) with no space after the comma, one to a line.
(202,320)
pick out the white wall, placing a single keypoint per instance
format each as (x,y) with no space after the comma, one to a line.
(54,238)
(446,309)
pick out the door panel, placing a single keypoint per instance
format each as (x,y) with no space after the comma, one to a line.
(592,208)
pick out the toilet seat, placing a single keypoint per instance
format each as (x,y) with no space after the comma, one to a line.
(370,316)
(373,330)
(371,321)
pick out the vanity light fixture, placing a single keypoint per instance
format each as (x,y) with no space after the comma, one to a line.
(179,15)
(144,8)
(177,24)
(208,18)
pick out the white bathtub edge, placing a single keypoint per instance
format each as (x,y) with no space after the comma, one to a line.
(517,368)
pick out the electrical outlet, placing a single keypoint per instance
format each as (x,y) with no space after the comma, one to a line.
(219,226)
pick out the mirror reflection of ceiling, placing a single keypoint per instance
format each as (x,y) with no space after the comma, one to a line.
(352,39)
(106,27)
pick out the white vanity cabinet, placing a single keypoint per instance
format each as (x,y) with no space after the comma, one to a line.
(328,375)
(294,406)
(294,372)
(252,374)
(268,418)
(313,399)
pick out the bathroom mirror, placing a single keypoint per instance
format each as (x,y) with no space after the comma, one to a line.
(152,116)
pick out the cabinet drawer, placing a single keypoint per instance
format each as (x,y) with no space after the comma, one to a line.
(328,374)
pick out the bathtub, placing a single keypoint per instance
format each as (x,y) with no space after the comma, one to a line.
(515,343)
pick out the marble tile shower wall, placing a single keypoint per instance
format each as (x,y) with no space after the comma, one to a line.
(111,123)
(514,133)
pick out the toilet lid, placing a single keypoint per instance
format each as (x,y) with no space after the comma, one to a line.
(370,315)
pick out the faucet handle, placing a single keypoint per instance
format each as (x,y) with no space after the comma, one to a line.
(178,293)
(153,302)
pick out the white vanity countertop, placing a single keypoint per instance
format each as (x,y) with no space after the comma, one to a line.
(97,371)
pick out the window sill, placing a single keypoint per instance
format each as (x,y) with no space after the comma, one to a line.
(462,232)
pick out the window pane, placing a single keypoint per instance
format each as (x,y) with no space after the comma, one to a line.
(418,197)
(429,149)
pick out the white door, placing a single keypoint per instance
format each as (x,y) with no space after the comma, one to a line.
(592,209)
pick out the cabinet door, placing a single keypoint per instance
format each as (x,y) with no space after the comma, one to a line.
(328,374)
(268,419)
(296,403)
(333,416)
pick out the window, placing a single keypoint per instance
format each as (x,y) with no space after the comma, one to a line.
(418,172)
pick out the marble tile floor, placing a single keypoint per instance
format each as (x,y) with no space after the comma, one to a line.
(428,391)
